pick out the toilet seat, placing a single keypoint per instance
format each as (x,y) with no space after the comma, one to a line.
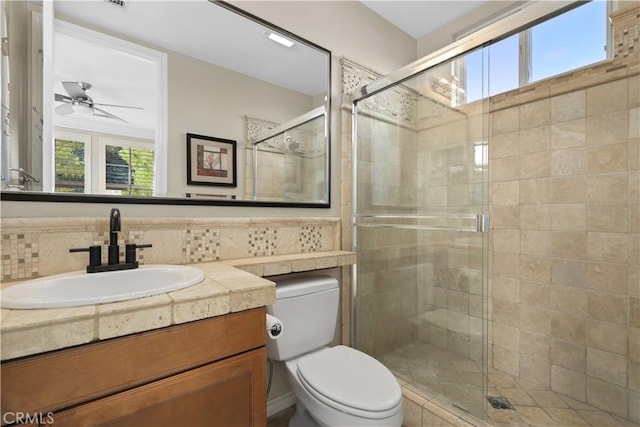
(350,381)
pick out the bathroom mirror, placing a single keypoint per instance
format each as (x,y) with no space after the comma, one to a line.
(116,87)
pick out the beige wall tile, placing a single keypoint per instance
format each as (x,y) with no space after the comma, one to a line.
(535,370)
(535,191)
(607,366)
(506,336)
(608,158)
(569,244)
(634,312)
(570,161)
(607,188)
(607,128)
(505,193)
(167,247)
(568,299)
(534,268)
(236,243)
(504,145)
(505,169)
(607,336)
(568,106)
(571,189)
(611,247)
(607,306)
(568,383)
(505,217)
(569,355)
(506,312)
(534,294)
(568,272)
(533,242)
(506,241)
(535,139)
(535,165)
(506,265)
(535,217)
(611,277)
(505,121)
(54,256)
(534,319)
(568,217)
(607,396)
(505,288)
(568,134)
(607,97)
(506,360)
(536,346)
(568,327)
(534,114)
(608,217)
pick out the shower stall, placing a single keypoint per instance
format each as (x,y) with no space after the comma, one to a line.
(290,161)
(497,234)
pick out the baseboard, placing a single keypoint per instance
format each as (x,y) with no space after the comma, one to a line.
(280,403)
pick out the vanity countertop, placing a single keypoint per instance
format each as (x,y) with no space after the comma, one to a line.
(229,286)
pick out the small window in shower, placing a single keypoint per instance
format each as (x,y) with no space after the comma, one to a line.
(567,42)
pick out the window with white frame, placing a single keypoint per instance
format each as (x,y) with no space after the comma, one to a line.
(572,40)
(91,163)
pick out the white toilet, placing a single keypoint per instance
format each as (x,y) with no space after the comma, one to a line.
(334,386)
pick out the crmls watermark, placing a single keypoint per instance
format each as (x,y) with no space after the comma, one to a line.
(27,418)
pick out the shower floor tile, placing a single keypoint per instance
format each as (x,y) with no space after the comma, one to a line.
(440,373)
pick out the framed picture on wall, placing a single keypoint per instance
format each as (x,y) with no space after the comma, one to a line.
(210,161)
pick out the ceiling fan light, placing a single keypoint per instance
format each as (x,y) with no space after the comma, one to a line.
(82,109)
(279,39)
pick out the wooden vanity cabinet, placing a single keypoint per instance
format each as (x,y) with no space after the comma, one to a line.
(210,372)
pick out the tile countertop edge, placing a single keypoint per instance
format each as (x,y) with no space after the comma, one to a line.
(29,332)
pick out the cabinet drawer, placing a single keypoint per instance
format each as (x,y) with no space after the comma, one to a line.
(66,377)
(229,393)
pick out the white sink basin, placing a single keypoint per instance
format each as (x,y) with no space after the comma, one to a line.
(81,288)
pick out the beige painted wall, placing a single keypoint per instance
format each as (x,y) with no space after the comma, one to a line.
(231,96)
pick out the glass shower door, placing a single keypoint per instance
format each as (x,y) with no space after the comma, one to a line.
(419,221)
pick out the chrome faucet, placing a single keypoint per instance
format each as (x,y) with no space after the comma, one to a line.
(113,264)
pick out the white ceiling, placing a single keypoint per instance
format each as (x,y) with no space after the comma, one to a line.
(420,17)
(195,28)
(207,32)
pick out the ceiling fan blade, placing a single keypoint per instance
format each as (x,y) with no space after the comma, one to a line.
(64,109)
(101,113)
(76,89)
(63,98)
(119,106)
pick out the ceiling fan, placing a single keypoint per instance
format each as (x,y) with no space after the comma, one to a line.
(79,102)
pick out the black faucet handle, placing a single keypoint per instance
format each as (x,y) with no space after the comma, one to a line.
(95,254)
(130,251)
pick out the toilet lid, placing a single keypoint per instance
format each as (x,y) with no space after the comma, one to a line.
(350,378)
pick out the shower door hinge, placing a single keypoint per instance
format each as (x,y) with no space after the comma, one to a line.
(482,223)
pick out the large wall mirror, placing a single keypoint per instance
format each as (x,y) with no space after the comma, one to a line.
(192,102)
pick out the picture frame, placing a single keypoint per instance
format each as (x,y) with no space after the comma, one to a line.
(211,161)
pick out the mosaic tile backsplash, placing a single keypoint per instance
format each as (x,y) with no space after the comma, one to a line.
(34,247)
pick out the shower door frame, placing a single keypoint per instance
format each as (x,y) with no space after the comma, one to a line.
(513,22)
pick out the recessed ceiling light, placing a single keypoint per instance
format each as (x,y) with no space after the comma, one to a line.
(279,39)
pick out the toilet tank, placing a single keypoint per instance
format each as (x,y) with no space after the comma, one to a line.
(308,309)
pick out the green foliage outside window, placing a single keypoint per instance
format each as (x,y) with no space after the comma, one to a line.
(69,160)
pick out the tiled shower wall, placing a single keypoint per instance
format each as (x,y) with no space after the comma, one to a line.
(283,172)
(564,191)
(564,248)
(33,247)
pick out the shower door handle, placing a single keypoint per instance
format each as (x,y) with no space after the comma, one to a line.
(482,223)
(477,223)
